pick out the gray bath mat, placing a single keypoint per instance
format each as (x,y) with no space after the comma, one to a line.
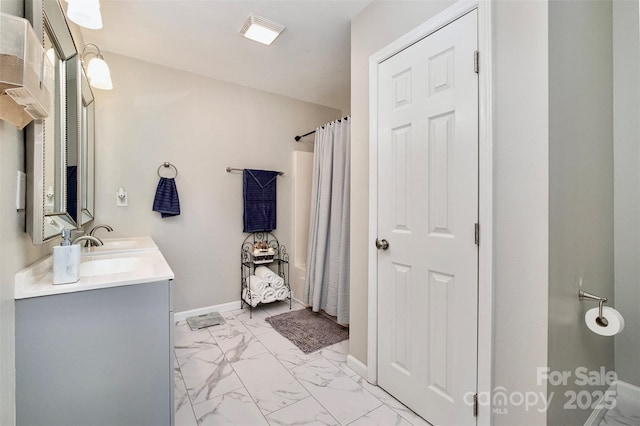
(308,330)
(205,320)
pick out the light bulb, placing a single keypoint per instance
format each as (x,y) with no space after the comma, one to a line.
(85,13)
(99,74)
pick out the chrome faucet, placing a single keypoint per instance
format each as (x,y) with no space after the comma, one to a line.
(95,228)
(90,243)
(94,240)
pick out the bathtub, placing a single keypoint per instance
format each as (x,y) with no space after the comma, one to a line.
(625,411)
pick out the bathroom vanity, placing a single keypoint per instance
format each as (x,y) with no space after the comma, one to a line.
(99,351)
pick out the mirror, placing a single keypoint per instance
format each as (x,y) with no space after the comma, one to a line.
(87,153)
(52,158)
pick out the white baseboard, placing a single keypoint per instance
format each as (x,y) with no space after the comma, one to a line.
(358,366)
(225,307)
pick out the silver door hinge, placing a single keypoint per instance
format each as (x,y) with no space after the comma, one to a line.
(475,405)
(476,62)
(477,233)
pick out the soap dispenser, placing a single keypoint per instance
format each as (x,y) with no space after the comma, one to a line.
(66,260)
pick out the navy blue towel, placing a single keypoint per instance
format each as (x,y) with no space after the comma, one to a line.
(259,195)
(166,201)
(72,192)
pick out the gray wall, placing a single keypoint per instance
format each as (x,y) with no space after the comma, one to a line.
(626,133)
(580,192)
(16,250)
(156,114)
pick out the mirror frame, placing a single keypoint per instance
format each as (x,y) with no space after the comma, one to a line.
(42,14)
(86,157)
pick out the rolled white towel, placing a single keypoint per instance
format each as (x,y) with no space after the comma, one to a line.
(257,284)
(281,293)
(255,298)
(268,296)
(277,283)
(265,274)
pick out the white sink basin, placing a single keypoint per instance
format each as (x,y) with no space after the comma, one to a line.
(96,272)
(110,266)
(121,245)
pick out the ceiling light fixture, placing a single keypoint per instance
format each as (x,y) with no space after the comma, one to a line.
(262,30)
(97,69)
(85,13)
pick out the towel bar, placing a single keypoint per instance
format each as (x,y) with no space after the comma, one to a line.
(233,169)
(167,165)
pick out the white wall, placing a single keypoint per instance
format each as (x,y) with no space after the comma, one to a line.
(521,193)
(16,250)
(303,173)
(374,28)
(10,161)
(520,188)
(157,114)
(580,192)
(626,132)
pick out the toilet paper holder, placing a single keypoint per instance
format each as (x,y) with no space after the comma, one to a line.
(583,295)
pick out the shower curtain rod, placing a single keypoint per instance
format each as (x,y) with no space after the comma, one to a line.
(297,138)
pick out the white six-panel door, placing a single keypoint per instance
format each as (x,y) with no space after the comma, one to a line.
(427,211)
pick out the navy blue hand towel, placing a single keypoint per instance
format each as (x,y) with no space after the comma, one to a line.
(259,195)
(72,192)
(166,201)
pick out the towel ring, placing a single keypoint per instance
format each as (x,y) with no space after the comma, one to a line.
(167,165)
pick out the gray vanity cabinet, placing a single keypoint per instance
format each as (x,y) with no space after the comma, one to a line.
(98,357)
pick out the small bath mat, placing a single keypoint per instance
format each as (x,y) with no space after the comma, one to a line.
(205,320)
(308,330)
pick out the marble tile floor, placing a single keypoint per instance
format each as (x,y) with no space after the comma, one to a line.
(245,373)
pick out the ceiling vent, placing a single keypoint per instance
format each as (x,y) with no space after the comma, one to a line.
(261,29)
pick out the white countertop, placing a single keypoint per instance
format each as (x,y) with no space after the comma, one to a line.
(37,279)
(121,245)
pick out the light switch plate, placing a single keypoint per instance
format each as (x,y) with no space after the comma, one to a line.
(122,201)
(21,188)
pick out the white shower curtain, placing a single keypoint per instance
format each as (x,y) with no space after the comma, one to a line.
(327,275)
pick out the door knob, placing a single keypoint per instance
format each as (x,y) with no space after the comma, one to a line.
(382,244)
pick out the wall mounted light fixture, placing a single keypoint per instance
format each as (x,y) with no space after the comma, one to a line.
(261,29)
(97,69)
(85,13)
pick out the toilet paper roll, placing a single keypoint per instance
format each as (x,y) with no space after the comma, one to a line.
(615,322)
